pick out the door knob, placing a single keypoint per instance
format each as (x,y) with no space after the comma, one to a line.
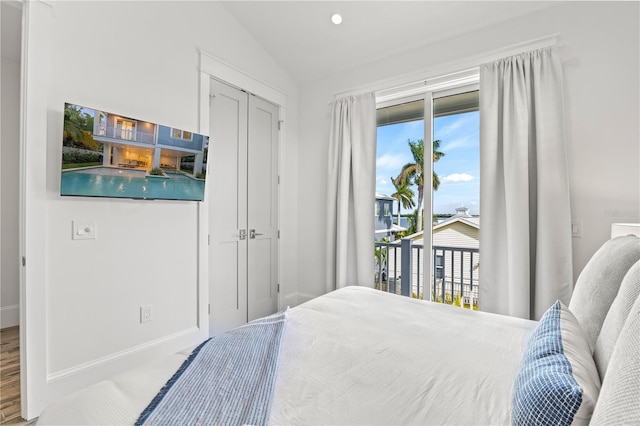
(253,233)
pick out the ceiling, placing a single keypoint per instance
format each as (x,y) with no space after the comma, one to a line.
(301,38)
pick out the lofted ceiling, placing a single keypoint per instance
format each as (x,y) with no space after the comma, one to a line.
(299,35)
(301,38)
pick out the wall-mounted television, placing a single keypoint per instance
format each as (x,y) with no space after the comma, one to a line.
(113,155)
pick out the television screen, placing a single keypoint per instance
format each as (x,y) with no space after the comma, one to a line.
(111,155)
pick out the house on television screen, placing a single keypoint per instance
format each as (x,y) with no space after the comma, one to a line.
(134,143)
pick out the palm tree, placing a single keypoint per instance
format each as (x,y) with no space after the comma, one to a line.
(72,125)
(78,129)
(404,194)
(436,156)
(413,173)
(380,254)
(413,223)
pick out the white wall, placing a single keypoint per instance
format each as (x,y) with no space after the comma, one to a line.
(9,167)
(602,111)
(139,59)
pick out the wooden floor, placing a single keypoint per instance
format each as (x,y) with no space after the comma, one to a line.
(10,376)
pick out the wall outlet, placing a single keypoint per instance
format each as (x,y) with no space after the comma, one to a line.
(145,313)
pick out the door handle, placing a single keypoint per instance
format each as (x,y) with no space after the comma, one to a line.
(253,234)
(242,234)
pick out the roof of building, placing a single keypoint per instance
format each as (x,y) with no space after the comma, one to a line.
(462,215)
(384,197)
(394,228)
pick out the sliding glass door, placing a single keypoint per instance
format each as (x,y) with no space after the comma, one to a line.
(427,196)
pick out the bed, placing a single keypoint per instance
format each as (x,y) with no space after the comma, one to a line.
(362,356)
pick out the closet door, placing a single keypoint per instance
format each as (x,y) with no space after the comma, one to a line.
(262,203)
(227,182)
(243,208)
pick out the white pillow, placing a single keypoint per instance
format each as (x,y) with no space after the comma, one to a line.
(599,281)
(619,402)
(616,318)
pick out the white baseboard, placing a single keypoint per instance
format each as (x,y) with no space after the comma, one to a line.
(294,299)
(65,382)
(290,300)
(9,316)
(305,297)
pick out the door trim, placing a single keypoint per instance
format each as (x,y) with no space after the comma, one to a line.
(221,70)
(37,21)
(211,66)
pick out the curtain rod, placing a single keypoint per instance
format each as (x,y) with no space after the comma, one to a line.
(453,67)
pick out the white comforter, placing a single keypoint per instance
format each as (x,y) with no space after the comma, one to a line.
(360,356)
(356,356)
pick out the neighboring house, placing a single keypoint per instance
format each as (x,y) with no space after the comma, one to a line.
(384,226)
(456,263)
(134,143)
(460,230)
(455,256)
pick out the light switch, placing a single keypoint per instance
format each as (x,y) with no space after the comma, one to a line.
(84,230)
(576,229)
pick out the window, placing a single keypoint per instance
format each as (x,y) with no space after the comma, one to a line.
(428,160)
(125,129)
(387,209)
(181,134)
(101,124)
(456,166)
(398,126)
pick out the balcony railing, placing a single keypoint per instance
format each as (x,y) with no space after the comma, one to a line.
(454,279)
(125,134)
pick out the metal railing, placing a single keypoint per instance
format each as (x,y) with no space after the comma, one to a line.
(454,279)
(126,134)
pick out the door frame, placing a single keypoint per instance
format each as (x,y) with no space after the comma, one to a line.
(211,66)
(37,21)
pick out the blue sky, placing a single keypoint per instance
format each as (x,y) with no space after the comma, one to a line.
(459,169)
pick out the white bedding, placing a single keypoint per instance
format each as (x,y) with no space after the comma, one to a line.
(361,356)
(356,356)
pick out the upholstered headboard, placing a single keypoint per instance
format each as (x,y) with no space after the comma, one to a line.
(606,303)
(622,229)
(581,363)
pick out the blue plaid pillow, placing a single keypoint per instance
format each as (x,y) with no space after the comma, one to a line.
(547,391)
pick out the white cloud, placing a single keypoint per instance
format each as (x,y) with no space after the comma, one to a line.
(391,161)
(465,141)
(457,177)
(462,121)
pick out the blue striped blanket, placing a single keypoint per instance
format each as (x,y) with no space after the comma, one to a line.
(227,380)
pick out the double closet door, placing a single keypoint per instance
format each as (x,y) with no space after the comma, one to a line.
(243,207)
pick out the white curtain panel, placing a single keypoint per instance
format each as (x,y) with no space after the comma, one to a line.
(525,236)
(351,192)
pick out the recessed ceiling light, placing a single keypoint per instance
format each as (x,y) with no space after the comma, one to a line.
(336,18)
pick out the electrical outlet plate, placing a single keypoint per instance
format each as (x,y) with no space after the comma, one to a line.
(145,313)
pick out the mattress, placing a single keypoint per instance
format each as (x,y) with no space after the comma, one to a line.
(356,356)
